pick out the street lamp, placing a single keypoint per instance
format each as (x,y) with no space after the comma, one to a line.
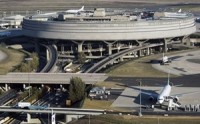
(140,113)
(29,59)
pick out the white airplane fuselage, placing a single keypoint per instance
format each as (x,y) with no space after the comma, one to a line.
(75,11)
(164,94)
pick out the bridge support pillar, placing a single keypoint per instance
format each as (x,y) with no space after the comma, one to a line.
(139,53)
(109,45)
(135,54)
(62,48)
(165,44)
(121,59)
(148,51)
(28,118)
(109,49)
(24,86)
(7,87)
(80,45)
(160,49)
(47,53)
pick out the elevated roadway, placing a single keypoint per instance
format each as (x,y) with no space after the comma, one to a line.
(53,57)
(109,60)
(49,78)
(67,111)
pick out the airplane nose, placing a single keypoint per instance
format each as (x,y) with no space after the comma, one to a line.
(159,102)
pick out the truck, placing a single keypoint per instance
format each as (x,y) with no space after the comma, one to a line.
(23,104)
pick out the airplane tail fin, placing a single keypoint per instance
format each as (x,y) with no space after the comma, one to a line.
(82,8)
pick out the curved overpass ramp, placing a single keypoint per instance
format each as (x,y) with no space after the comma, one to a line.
(110,59)
(53,57)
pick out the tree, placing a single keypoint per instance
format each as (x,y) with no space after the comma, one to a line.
(76,89)
(35,62)
(81,58)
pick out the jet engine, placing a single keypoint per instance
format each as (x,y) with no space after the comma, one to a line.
(175,99)
(151,98)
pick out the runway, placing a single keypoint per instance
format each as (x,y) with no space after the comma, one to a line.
(130,97)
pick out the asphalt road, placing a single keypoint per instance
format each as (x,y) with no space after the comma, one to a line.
(185,81)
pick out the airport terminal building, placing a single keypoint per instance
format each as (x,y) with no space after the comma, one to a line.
(100,33)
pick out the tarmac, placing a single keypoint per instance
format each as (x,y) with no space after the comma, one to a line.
(130,97)
(182,64)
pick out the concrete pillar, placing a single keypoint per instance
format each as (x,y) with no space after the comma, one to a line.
(139,53)
(47,53)
(62,48)
(28,118)
(7,87)
(121,59)
(101,51)
(24,86)
(135,54)
(147,51)
(109,45)
(80,47)
(188,42)
(118,48)
(165,44)
(150,51)
(160,49)
(109,49)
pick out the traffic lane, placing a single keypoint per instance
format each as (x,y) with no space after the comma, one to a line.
(185,81)
(7,96)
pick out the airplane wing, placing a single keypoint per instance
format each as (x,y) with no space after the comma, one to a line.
(182,94)
(150,94)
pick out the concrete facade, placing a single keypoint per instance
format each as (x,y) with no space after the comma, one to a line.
(109,31)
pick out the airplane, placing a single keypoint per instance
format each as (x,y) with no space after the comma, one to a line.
(165,96)
(164,60)
(75,11)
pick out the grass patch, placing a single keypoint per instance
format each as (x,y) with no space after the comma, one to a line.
(110,84)
(96,104)
(128,119)
(141,67)
(100,104)
(13,59)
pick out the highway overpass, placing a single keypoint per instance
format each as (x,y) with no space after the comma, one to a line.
(67,111)
(49,78)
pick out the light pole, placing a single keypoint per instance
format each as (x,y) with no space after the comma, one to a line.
(29,88)
(140,113)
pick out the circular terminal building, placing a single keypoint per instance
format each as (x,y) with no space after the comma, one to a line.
(99,32)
